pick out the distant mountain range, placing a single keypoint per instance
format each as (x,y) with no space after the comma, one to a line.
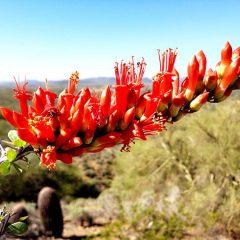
(60,84)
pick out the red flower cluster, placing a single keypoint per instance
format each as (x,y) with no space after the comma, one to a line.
(60,127)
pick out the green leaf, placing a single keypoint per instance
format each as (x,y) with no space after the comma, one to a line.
(17,228)
(11,154)
(5,167)
(17,167)
(13,136)
(19,143)
(23,218)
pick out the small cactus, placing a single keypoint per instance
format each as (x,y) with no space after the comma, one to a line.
(50,212)
(18,211)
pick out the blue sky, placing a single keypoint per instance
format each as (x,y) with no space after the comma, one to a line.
(52,38)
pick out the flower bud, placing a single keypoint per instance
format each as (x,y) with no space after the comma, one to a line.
(211,79)
(176,105)
(112,137)
(193,73)
(226,94)
(72,143)
(199,101)
(112,121)
(151,105)
(141,105)
(226,54)
(105,101)
(128,118)
(229,77)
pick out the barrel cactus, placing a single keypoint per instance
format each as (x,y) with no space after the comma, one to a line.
(50,211)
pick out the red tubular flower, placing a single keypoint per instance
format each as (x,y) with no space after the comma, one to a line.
(134,131)
(162,107)
(89,123)
(105,101)
(76,122)
(154,125)
(41,93)
(198,102)
(128,118)
(108,138)
(138,131)
(141,105)
(20,120)
(72,143)
(73,81)
(164,77)
(177,103)
(8,115)
(45,132)
(68,102)
(23,96)
(226,59)
(112,121)
(184,84)
(202,69)
(63,117)
(175,83)
(127,79)
(37,103)
(226,54)
(136,75)
(193,73)
(50,97)
(121,98)
(132,99)
(229,76)
(80,100)
(202,64)
(49,157)
(63,136)
(28,136)
(151,105)
(210,81)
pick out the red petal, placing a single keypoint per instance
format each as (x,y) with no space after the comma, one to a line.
(8,115)
(28,136)
(63,136)
(105,101)
(226,54)
(20,119)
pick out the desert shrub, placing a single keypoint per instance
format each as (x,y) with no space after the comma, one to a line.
(87,177)
(188,177)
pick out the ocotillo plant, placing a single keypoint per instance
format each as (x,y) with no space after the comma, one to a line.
(59,127)
(50,212)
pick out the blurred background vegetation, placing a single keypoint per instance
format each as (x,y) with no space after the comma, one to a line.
(182,184)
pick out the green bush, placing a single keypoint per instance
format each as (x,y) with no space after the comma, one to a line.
(87,177)
(186,178)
